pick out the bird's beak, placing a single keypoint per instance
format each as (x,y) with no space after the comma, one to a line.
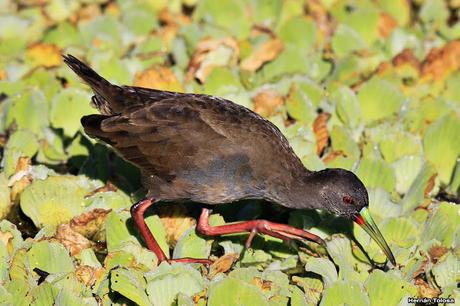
(365,220)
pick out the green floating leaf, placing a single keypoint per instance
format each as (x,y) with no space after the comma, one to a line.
(192,245)
(167,281)
(29,110)
(341,141)
(443,224)
(347,106)
(23,140)
(388,288)
(19,292)
(108,200)
(131,284)
(67,107)
(398,144)
(401,231)
(300,106)
(59,10)
(51,148)
(313,287)
(416,192)
(43,294)
(5,202)
(346,40)
(223,14)
(139,20)
(323,267)
(446,271)
(279,282)
(50,257)
(379,99)
(116,230)
(303,40)
(231,291)
(380,204)
(406,170)
(376,173)
(63,35)
(441,145)
(54,200)
(345,293)
(350,269)
(87,257)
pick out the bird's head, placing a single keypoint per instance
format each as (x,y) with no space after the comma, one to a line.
(342,193)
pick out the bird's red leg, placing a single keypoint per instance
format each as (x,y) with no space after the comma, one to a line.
(137,212)
(277,230)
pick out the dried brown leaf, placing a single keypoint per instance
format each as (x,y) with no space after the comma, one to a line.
(429,185)
(321,132)
(88,275)
(73,241)
(425,290)
(266,52)
(159,77)
(223,264)
(267,102)
(198,67)
(333,155)
(21,179)
(442,61)
(406,57)
(45,55)
(322,18)
(88,13)
(436,252)
(90,223)
(386,25)
(263,284)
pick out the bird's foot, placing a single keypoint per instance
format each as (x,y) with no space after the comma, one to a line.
(206,262)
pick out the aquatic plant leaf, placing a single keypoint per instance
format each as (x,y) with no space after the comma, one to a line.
(406,170)
(376,173)
(446,271)
(443,223)
(67,107)
(379,99)
(50,257)
(192,245)
(116,230)
(29,110)
(131,284)
(417,191)
(231,291)
(441,145)
(347,106)
(387,288)
(5,202)
(165,282)
(54,200)
(341,292)
(347,40)
(323,267)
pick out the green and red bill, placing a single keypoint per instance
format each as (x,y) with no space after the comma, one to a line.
(365,220)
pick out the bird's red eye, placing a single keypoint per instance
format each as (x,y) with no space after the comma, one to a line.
(347,200)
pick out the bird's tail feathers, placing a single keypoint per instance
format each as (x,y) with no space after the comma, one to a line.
(105,92)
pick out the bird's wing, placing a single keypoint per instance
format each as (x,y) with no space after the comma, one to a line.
(188,132)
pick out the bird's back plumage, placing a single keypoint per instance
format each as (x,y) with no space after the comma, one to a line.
(190,146)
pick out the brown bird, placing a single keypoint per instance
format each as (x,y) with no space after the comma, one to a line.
(205,149)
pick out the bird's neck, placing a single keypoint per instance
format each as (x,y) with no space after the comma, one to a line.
(303,192)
